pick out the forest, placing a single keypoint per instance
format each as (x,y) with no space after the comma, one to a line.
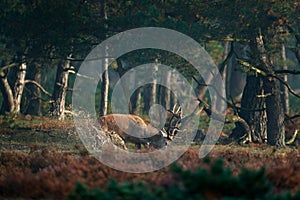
(255,48)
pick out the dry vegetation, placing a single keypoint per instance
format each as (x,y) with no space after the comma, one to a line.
(49,173)
(42,169)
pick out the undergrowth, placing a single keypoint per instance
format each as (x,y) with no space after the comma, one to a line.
(50,173)
(217,182)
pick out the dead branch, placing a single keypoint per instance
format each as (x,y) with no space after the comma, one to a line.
(251,67)
(39,86)
(7,67)
(69,112)
(290,141)
(81,75)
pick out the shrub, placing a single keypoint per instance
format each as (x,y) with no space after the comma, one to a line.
(216,182)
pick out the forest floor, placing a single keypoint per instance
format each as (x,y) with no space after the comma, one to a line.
(44,158)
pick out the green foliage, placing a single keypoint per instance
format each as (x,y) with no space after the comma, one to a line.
(220,182)
(215,50)
(217,182)
(116,191)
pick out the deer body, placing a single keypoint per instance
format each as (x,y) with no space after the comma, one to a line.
(132,124)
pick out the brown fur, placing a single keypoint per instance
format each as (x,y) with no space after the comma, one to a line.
(132,124)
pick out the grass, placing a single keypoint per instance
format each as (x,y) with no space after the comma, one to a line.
(22,134)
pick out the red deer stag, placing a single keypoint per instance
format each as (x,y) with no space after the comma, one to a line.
(126,124)
(133,124)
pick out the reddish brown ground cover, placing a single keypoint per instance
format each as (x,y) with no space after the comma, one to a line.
(49,173)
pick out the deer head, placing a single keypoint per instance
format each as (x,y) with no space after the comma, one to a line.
(172,124)
(176,121)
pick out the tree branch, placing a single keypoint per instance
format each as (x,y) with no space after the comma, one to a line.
(39,97)
(263,73)
(225,100)
(7,67)
(80,59)
(291,117)
(293,92)
(285,71)
(39,86)
(80,75)
(293,138)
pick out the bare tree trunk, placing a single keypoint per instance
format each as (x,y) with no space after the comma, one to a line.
(57,109)
(150,93)
(136,97)
(165,93)
(12,97)
(219,101)
(136,102)
(146,99)
(125,86)
(19,86)
(235,79)
(8,97)
(154,87)
(104,89)
(105,76)
(33,94)
(284,90)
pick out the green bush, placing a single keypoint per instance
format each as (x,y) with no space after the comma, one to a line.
(116,191)
(217,182)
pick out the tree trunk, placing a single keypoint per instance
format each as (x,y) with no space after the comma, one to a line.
(165,93)
(150,93)
(19,86)
(8,97)
(60,89)
(136,102)
(105,76)
(219,105)
(153,91)
(135,97)
(104,89)
(33,94)
(260,91)
(12,97)
(253,105)
(275,114)
(297,51)
(284,90)
(147,98)
(235,79)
